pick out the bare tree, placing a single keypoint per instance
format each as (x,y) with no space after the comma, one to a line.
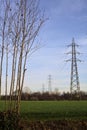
(3,34)
(19,26)
(30,26)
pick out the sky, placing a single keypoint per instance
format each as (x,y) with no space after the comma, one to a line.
(66,19)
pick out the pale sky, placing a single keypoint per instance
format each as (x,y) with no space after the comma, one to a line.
(66,19)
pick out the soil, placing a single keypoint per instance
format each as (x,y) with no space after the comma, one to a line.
(53,125)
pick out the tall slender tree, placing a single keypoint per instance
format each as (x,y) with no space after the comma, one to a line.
(3,34)
(20,25)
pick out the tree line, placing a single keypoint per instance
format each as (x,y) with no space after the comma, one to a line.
(46,96)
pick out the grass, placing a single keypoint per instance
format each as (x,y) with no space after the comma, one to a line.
(45,110)
(51,110)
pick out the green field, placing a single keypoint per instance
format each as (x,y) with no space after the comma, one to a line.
(54,110)
(44,110)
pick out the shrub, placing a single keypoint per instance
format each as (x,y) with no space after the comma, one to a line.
(9,120)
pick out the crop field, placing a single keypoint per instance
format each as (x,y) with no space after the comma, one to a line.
(51,110)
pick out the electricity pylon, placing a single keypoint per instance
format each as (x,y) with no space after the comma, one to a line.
(74,83)
(49,84)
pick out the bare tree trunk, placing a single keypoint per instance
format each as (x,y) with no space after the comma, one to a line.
(2,59)
(14,64)
(18,86)
(23,21)
(3,40)
(6,81)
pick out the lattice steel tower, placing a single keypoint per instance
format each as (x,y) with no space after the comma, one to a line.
(74,83)
(49,84)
